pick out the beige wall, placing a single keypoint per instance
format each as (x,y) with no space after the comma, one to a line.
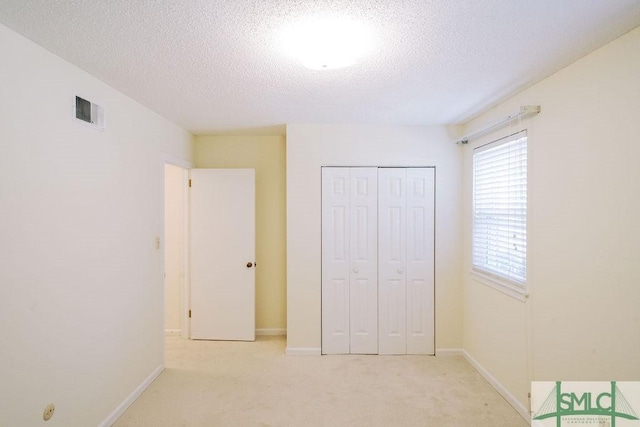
(81,294)
(174,247)
(311,146)
(265,154)
(582,321)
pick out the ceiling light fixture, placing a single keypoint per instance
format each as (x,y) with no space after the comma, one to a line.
(327,43)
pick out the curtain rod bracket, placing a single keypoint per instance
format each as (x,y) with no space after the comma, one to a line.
(523,111)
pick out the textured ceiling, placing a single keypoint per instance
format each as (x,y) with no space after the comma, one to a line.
(215,66)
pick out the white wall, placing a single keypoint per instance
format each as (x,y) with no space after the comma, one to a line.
(582,321)
(81,291)
(311,146)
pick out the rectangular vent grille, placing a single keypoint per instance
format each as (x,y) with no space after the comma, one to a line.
(89,113)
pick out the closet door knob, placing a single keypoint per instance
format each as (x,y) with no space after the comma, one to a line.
(400,271)
(249,264)
(356,270)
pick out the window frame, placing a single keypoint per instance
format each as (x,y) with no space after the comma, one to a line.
(518,289)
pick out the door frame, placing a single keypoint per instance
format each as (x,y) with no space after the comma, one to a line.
(168,159)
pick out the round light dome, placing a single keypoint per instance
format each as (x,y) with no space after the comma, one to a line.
(327,43)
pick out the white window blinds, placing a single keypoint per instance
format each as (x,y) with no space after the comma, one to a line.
(500,210)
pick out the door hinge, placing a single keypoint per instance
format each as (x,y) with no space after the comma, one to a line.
(189,314)
(189,183)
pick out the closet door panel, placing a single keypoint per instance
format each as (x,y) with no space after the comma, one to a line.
(363,256)
(420,260)
(335,260)
(378,260)
(392,241)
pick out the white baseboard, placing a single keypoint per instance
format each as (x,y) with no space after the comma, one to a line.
(448,352)
(524,412)
(271,331)
(172,332)
(303,351)
(117,413)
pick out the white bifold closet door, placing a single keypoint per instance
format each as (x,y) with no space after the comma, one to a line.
(377,260)
(349,261)
(406,260)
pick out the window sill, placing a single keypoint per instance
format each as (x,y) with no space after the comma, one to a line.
(504,287)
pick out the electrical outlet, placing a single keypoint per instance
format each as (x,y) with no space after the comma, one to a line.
(48,411)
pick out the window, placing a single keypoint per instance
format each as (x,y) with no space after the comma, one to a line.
(499,243)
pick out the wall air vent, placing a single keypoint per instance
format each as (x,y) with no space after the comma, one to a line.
(89,113)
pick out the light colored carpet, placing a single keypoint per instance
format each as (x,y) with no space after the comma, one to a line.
(212,383)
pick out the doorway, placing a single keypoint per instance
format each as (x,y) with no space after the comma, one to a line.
(205,299)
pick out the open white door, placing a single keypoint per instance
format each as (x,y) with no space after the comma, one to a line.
(222,253)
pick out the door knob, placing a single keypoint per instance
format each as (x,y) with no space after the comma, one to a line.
(356,270)
(400,271)
(249,264)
